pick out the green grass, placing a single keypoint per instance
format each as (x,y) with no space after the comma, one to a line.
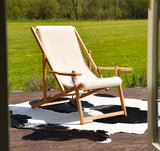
(113,43)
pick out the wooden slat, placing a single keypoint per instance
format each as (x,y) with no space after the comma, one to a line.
(66,73)
(79,105)
(74,77)
(122,100)
(89,63)
(87,54)
(91,92)
(103,116)
(121,93)
(71,94)
(54,103)
(116,71)
(124,69)
(87,93)
(48,100)
(44,78)
(113,68)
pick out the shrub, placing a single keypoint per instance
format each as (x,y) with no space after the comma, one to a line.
(137,81)
(36,83)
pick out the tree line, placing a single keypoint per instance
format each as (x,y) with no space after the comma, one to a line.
(76,9)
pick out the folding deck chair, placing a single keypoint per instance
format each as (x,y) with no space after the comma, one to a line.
(61,50)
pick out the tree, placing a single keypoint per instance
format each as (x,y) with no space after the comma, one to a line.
(75,5)
(90,8)
(76,9)
(46,9)
(16,9)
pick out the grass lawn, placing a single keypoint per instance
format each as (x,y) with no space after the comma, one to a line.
(113,43)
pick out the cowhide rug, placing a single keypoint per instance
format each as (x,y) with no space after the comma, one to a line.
(61,122)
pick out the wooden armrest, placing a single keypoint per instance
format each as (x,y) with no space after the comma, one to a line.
(113,68)
(65,73)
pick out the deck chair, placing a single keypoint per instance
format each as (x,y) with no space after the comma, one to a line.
(60,46)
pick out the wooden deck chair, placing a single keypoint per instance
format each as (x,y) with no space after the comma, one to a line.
(61,50)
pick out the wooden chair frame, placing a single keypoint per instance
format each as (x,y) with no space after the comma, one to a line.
(77,95)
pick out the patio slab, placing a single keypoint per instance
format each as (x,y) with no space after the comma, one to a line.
(120,141)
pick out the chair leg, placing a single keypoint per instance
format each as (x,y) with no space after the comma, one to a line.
(79,105)
(44,78)
(122,100)
(121,93)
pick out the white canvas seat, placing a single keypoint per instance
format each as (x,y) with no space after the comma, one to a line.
(61,49)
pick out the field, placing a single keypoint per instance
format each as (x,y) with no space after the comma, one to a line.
(112,42)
